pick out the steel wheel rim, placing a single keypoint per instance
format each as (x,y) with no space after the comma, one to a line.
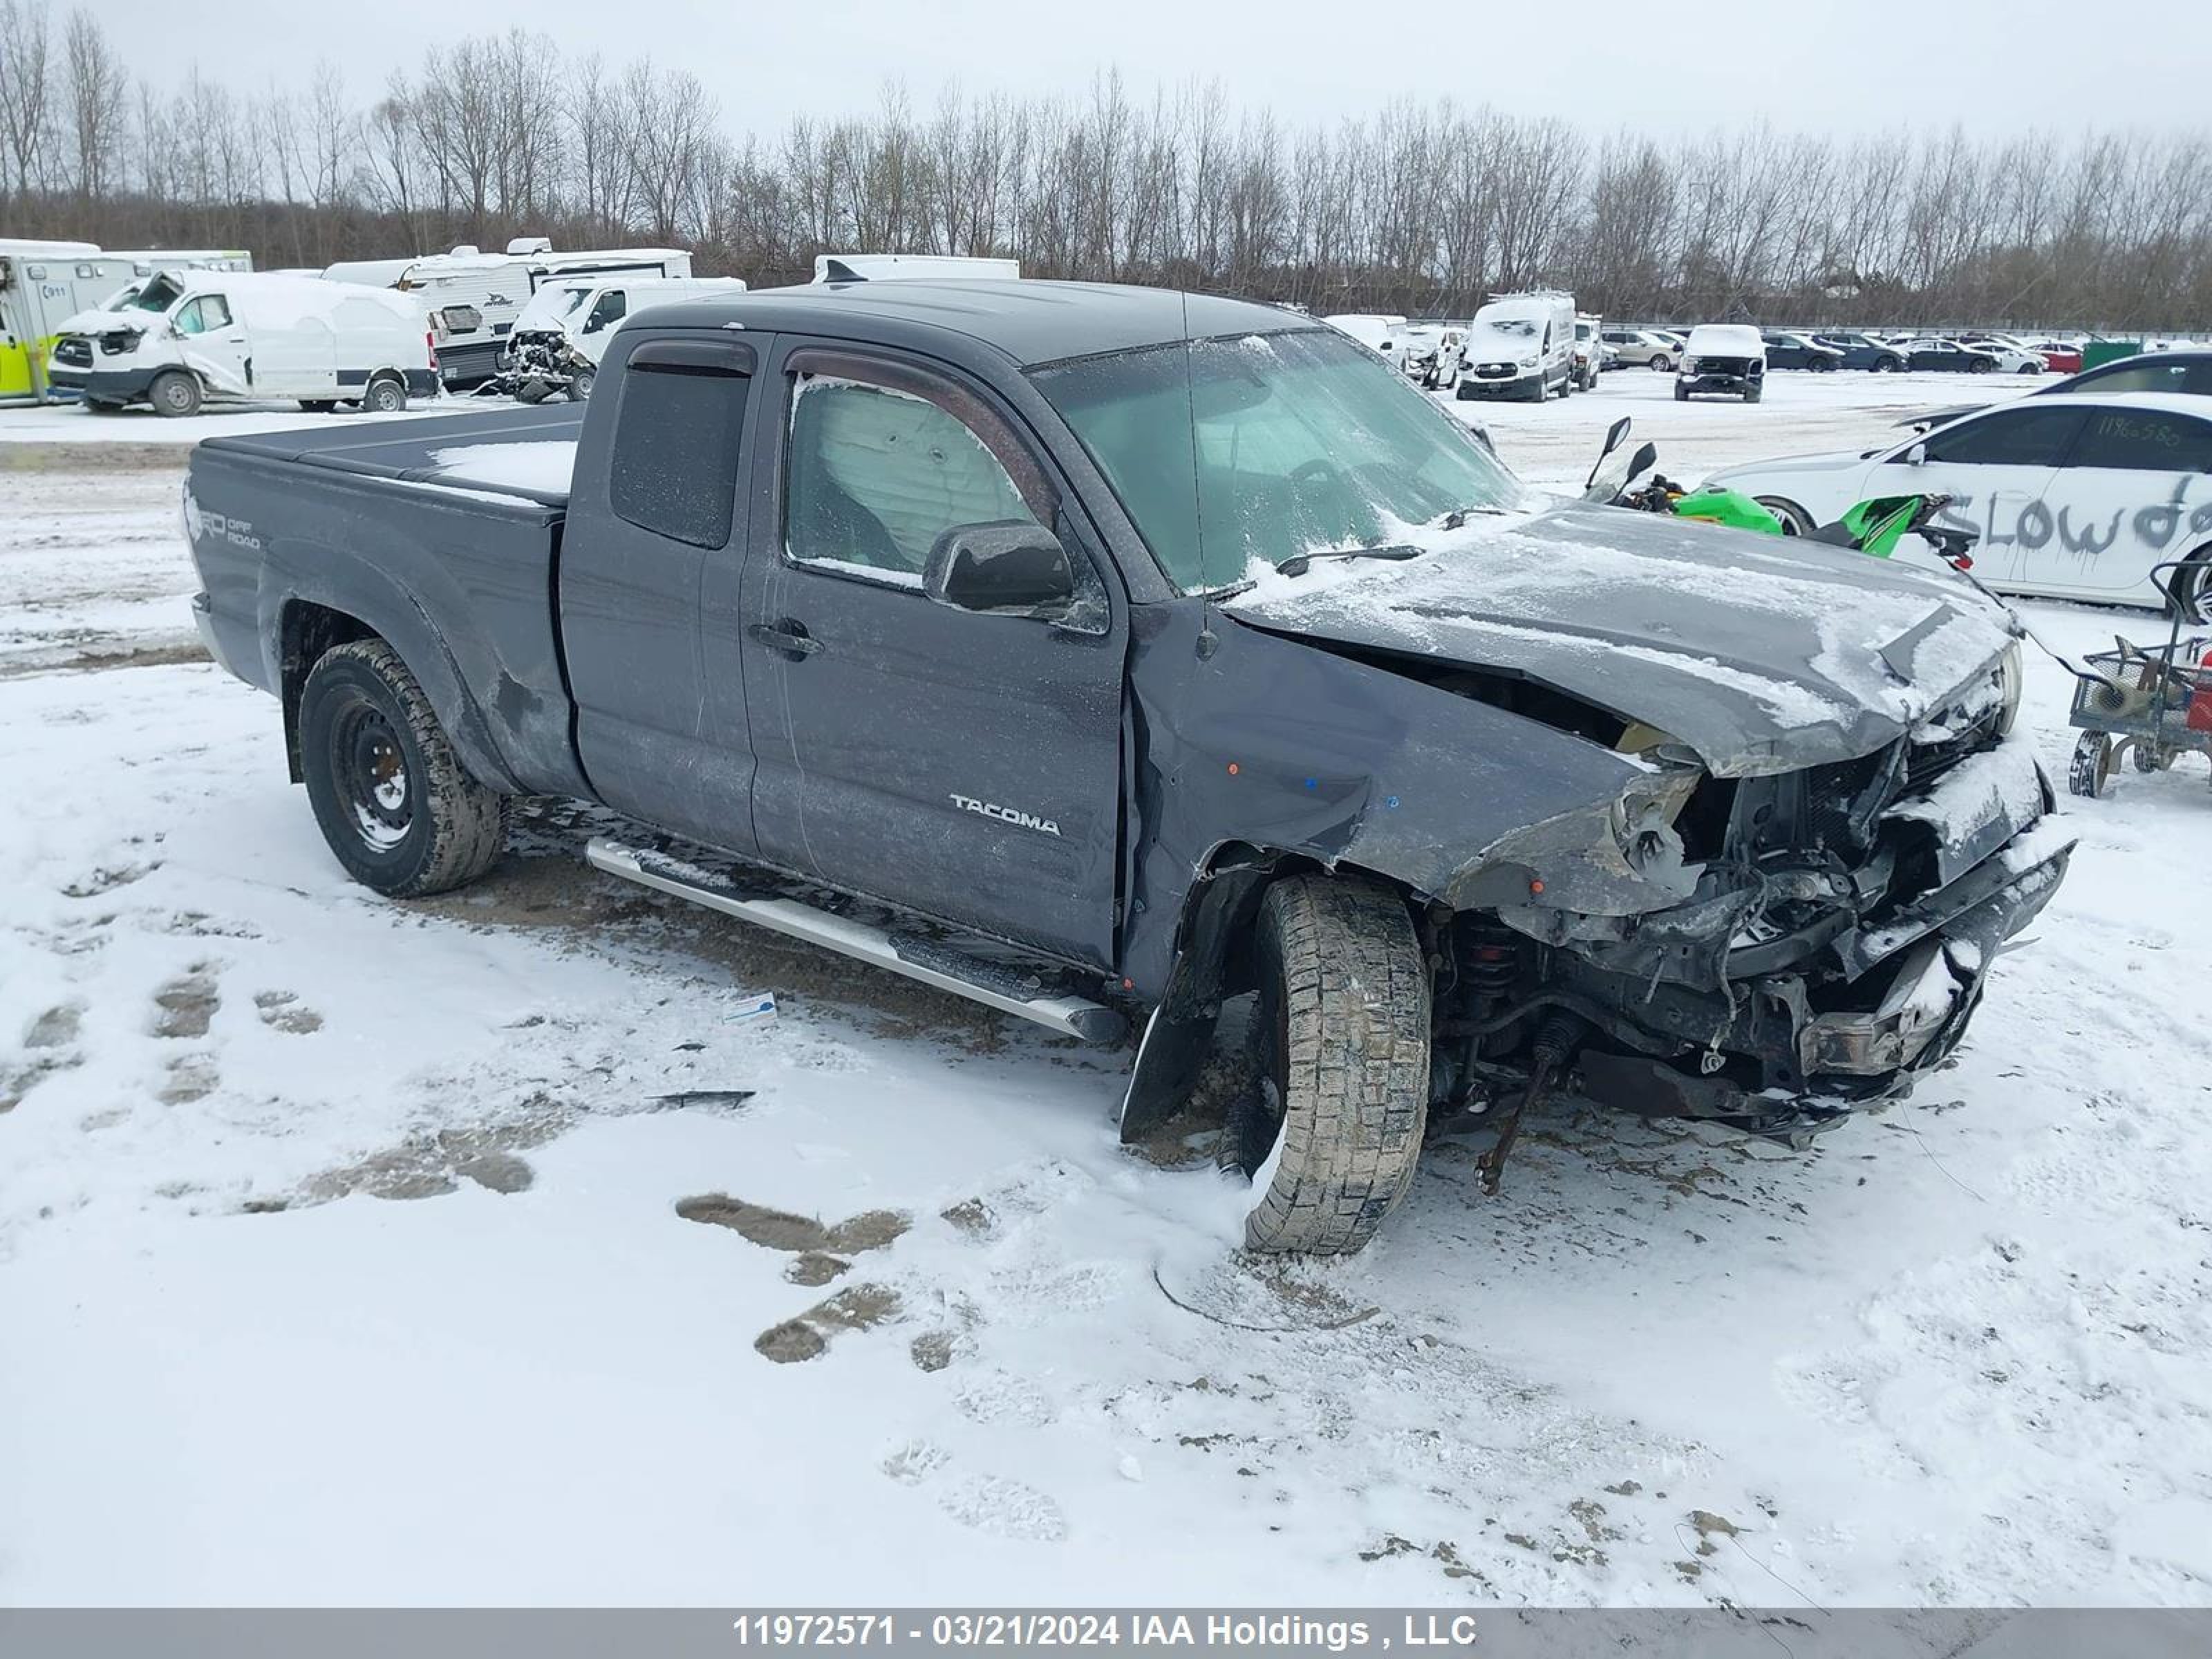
(374,786)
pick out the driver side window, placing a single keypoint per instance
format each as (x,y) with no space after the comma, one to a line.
(207,312)
(607,310)
(876,475)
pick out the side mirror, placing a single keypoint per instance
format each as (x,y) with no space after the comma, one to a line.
(1916,456)
(1616,436)
(1011,567)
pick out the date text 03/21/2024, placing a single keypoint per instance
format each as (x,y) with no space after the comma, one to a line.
(1032,1628)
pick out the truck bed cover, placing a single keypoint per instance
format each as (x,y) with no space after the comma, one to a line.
(523,454)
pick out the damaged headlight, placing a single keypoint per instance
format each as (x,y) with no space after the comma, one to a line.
(2012,679)
(118,341)
(1620,858)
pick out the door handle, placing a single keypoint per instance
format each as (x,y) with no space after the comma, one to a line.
(786,637)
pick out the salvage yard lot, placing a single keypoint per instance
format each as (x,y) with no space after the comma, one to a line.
(345,1253)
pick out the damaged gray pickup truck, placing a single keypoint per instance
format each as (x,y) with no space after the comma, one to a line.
(1104,654)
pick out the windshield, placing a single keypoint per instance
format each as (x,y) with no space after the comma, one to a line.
(1270,448)
(159,295)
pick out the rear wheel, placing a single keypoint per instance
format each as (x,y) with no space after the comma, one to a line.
(1343,1039)
(1980,366)
(175,393)
(385,396)
(2092,770)
(390,795)
(1662,362)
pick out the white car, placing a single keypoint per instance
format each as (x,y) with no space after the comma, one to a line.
(1383,334)
(2071,497)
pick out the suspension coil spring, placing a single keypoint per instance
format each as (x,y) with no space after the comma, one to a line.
(1490,957)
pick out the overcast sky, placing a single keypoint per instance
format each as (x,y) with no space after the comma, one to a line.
(1993,65)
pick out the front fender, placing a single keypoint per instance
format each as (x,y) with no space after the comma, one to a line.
(1293,749)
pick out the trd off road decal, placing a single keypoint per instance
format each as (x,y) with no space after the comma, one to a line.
(1006,815)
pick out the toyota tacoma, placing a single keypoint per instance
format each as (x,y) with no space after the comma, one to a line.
(1105,654)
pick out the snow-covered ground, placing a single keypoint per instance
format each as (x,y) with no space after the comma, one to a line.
(361,1252)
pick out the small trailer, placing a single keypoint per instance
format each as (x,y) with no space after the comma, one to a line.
(2151,703)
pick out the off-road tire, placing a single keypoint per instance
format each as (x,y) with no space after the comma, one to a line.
(455,828)
(2092,768)
(175,392)
(1343,1042)
(384,395)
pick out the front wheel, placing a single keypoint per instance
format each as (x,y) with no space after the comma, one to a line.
(2092,770)
(1343,1041)
(390,795)
(1663,364)
(175,393)
(1681,395)
(580,384)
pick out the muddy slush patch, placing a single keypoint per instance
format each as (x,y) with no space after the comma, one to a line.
(188,1004)
(778,1229)
(856,1308)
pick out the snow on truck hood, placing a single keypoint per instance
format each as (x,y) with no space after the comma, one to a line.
(1762,654)
(107,322)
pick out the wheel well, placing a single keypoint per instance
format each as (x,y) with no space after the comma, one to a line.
(307,632)
(1223,905)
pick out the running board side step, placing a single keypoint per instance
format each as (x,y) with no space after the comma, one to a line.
(994,984)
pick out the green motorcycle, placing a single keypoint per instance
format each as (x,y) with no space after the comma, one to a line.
(1874,527)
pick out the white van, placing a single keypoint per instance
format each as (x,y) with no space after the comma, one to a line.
(560,336)
(894,267)
(471,299)
(45,286)
(1520,345)
(190,337)
(1382,333)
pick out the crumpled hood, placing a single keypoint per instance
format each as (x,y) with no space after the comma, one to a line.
(106,322)
(1763,654)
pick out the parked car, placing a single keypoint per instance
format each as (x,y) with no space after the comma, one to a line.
(1643,348)
(1941,353)
(1431,353)
(1006,614)
(2014,356)
(2074,497)
(1385,336)
(1801,351)
(2185,373)
(194,336)
(1520,345)
(2062,357)
(562,335)
(1864,351)
(1723,357)
(1589,351)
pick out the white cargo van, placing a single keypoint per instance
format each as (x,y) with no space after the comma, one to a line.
(1382,333)
(189,337)
(1520,345)
(562,335)
(471,299)
(45,285)
(893,267)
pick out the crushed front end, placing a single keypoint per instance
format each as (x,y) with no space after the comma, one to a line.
(1765,948)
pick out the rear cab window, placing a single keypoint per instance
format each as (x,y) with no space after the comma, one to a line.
(678,425)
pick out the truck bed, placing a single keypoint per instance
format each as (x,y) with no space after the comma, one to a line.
(444,532)
(527,454)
